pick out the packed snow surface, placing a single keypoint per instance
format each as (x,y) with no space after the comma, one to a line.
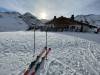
(72,53)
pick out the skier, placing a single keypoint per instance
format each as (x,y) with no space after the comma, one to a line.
(96,30)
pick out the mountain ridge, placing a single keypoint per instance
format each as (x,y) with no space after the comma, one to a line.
(92,19)
(14,21)
(9,21)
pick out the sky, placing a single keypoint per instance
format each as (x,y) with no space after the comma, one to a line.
(51,8)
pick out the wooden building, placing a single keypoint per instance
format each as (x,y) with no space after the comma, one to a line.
(67,24)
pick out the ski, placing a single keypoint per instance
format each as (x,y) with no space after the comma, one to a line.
(39,64)
(34,62)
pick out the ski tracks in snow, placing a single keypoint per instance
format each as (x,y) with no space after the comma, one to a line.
(85,58)
(57,67)
(69,55)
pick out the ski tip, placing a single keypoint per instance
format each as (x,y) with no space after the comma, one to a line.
(49,48)
(26,72)
(45,47)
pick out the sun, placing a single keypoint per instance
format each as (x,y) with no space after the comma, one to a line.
(43,15)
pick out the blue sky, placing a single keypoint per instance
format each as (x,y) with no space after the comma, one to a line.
(53,7)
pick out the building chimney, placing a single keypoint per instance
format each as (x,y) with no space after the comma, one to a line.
(72,17)
(54,17)
(61,16)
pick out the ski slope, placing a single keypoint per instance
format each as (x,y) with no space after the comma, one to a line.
(72,53)
(9,21)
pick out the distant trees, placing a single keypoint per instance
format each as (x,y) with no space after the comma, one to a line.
(32,27)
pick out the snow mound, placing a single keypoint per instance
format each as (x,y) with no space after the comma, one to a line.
(70,55)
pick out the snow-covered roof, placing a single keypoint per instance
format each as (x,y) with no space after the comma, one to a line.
(67,21)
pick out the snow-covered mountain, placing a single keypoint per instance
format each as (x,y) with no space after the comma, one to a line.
(9,21)
(14,21)
(91,19)
(44,20)
(31,20)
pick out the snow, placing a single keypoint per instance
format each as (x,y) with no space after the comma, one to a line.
(9,21)
(31,20)
(91,19)
(44,20)
(14,21)
(72,53)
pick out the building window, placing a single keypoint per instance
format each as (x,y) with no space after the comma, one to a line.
(72,27)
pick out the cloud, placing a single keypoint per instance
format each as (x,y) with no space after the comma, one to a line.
(51,7)
(4,9)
